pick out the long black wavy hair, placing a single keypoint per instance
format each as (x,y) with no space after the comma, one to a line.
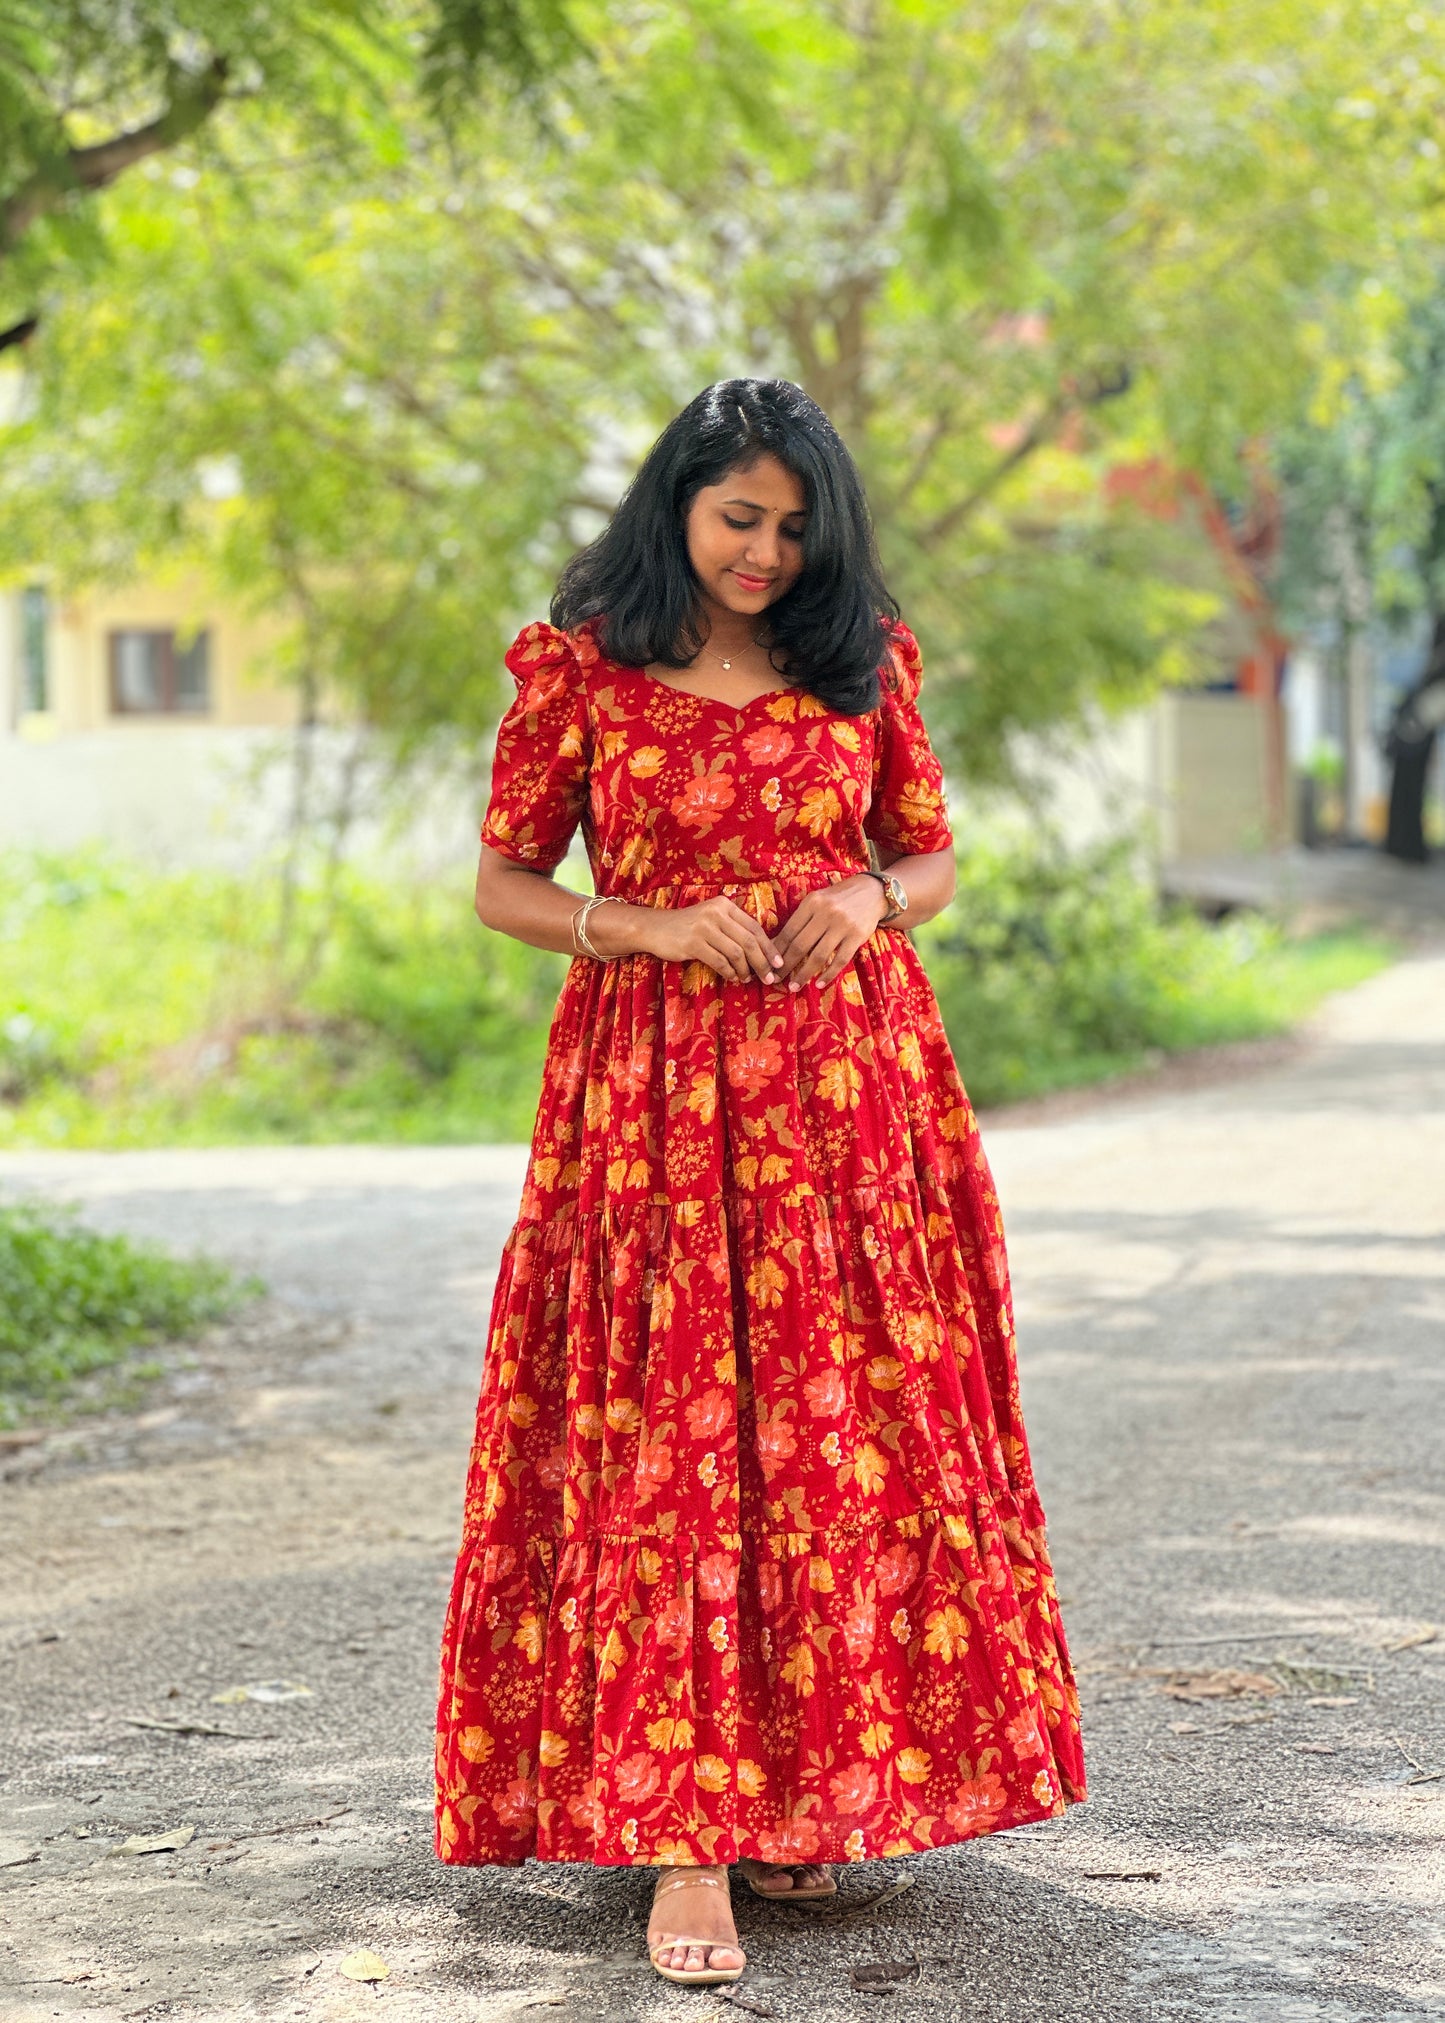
(635,579)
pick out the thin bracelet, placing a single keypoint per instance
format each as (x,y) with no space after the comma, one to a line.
(580,940)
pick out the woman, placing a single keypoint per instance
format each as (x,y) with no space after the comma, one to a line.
(754,1569)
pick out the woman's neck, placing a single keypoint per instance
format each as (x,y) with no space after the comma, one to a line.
(731,632)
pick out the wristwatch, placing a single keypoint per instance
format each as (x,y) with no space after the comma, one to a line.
(897,897)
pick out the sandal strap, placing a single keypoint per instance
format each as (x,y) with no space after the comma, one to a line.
(676,1881)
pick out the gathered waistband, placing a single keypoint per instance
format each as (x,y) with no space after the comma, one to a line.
(662,894)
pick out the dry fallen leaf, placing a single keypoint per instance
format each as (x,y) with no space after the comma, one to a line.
(1220,1683)
(157,1843)
(267,1691)
(1333,1700)
(364,1966)
(1317,1748)
(1186,1728)
(741,2001)
(881,1977)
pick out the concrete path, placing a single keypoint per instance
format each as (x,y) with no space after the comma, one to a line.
(1230,1305)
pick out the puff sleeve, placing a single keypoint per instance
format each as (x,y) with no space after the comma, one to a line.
(543,751)
(908,812)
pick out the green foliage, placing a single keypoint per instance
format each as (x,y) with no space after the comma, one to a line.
(168,1023)
(1054,970)
(73,1302)
(155,1009)
(382,389)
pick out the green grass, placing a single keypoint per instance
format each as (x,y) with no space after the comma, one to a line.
(137,1009)
(74,1302)
(1056,972)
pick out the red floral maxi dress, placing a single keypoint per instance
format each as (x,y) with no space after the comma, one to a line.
(753,1562)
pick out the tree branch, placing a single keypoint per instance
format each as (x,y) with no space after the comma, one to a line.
(1107,386)
(193,100)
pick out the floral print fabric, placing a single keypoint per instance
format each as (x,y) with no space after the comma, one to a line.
(753,1562)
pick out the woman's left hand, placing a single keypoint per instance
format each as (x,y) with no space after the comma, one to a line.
(826,929)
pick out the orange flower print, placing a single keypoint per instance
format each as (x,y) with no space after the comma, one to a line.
(841,1083)
(528,1636)
(792,1840)
(819,809)
(768,746)
(751,1777)
(703,802)
(855,1788)
(860,1631)
(717,1577)
(636,858)
(654,1466)
(900,1626)
(1023,1733)
(767,1282)
(975,1802)
(646,762)
(770,1585)
(776,1443)
(826,1394)
(585,1809)
(552,1468)
(516,1802)
(945,1633)
(915,1766)
(897,1569)
(870,1466)
(673,1624)
(711,1415)
(771,795)
(636,1777)
(755,1063)
(712,1773)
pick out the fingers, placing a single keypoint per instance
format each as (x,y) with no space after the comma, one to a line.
(763,952)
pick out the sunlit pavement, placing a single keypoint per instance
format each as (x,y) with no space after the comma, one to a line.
(1230,1307)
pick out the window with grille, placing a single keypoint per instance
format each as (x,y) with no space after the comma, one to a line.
(152,674)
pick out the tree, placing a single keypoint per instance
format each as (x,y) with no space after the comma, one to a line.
(1005,247)
(88,90)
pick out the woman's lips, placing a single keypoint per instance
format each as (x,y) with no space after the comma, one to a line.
(752,582)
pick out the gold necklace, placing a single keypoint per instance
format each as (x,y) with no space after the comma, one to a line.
(725,661)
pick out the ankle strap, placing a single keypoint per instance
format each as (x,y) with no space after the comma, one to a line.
(671,1881)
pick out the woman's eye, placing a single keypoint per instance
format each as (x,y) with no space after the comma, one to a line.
(741,525)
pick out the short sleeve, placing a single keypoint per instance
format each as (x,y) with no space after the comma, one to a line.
(908,812)
(543,751)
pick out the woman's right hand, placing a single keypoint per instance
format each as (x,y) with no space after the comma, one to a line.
(716,931)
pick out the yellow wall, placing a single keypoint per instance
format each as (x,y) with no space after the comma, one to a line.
(244,688)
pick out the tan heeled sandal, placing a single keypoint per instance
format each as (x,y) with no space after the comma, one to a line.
(675,1879)
(827,1888)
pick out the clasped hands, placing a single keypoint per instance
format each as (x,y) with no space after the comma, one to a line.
(818,939)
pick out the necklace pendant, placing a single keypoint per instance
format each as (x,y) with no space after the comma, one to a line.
(728,664)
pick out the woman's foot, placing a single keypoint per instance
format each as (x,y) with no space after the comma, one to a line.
(787,1878)
(703,1914)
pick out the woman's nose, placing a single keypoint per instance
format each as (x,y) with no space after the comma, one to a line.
(762,549)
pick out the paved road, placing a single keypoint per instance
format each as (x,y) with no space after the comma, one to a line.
(1230,1305)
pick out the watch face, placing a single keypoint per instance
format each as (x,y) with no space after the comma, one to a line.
(897,894)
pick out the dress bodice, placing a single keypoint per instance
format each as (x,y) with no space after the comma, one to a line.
(672,788)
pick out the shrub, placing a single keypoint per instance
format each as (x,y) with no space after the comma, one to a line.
(73,1301)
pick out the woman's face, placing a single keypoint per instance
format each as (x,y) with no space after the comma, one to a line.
(745,536)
